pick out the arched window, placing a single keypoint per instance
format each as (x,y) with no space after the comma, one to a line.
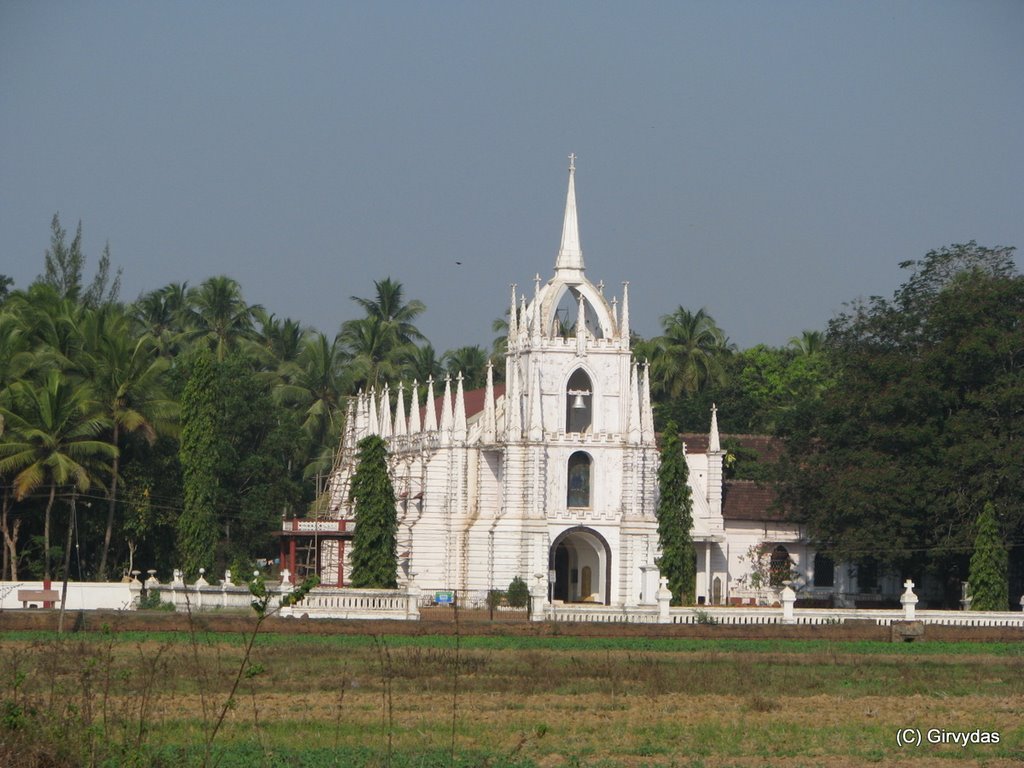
(579,402)
(780,566)
(579,480)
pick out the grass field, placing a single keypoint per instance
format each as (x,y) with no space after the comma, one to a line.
(347,700)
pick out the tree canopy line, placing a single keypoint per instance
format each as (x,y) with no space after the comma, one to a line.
(175,430)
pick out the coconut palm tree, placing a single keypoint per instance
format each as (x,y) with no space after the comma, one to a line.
(162,315)
(220,315)
(471,362)
(690,354)
(318,385)
(389,307)
(422,363)
(127,381)
(808,343)
(375,351)
(51,440)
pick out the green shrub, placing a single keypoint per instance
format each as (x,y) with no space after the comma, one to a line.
(518,593)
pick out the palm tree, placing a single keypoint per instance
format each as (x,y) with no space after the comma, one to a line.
(162,315)
(126,375)
(318,384)
(690,354)
(220,314)
(808,343)
(388,307)
(50,440)
(471,362)
(421,363)
(375,351)
(277,345)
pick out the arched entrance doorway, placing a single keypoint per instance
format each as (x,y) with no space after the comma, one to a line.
(581,561)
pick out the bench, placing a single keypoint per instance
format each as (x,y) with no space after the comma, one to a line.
(26,596)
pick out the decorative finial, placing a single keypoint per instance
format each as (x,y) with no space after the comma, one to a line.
(572,161)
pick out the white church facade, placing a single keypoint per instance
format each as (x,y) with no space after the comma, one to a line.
(550,476)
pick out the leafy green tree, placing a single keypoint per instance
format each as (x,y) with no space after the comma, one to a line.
(374,544)
(675,520)
(923,422)
(989,588)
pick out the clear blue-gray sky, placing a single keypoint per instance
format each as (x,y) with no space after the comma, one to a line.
(767,161)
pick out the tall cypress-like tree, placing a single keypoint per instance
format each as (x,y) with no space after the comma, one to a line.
(375,544)
(989,590)
(675,520)
(200,451)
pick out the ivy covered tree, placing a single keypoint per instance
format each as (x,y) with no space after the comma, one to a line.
(989,565)
(239,456)
(675,520)
(375,544)
(199,454)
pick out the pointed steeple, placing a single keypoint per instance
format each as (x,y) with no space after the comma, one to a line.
(535,330)
(634,406)
(524,321)
(714,444)
(570,252)
(536,420)
(430,422)
(385,413)
(446,411)
(400,428)
(490,425)
(414,409)
(362,417)
(513,319)
(646,412)
(624,322)
(352,426)
(513,415)
(373,427)
(459,428)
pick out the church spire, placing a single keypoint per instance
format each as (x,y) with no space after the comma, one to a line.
(400,423)
(714,442)
(430,422)
(415,426)
(490,425)
(459,416)
(570,253)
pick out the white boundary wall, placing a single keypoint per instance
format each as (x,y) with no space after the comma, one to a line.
(89,596)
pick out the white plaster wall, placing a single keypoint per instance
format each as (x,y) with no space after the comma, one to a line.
(88,596)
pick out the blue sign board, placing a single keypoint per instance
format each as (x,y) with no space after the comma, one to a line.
(444,598)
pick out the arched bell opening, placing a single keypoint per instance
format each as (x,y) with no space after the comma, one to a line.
(582,564)
(579,402)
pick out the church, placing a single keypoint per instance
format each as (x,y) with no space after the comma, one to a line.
(550,476)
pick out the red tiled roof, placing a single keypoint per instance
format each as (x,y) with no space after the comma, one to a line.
(748,500)
(474,402)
